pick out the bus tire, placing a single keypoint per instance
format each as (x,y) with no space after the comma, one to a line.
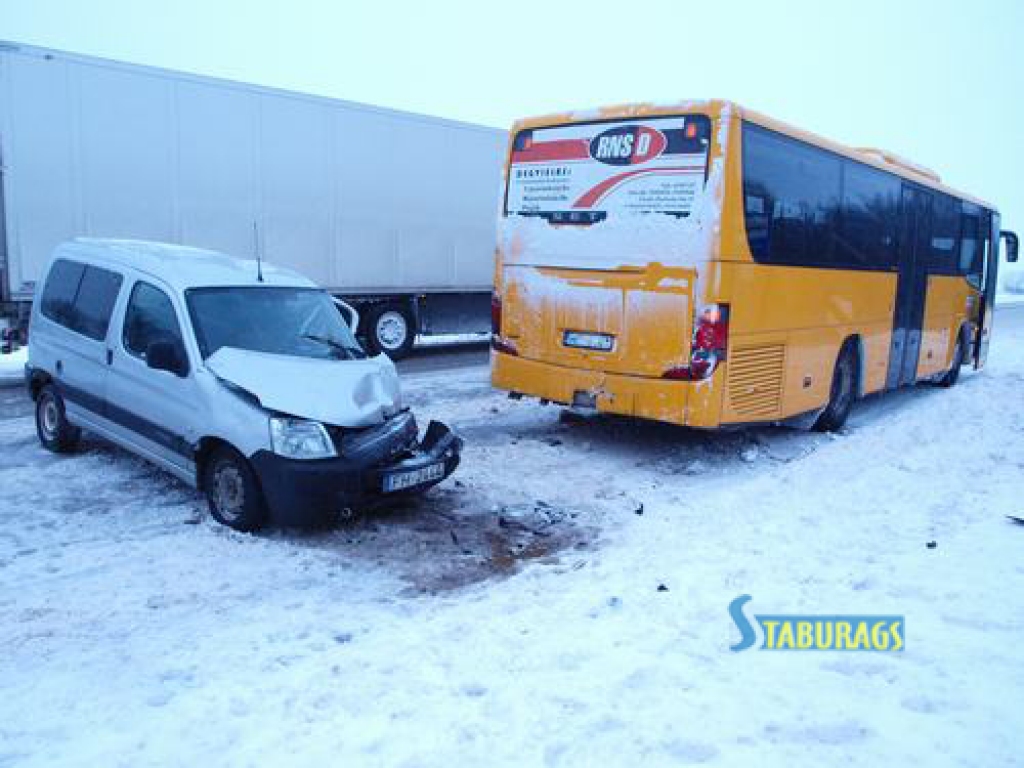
(391,329)
(842,393)
(952,376)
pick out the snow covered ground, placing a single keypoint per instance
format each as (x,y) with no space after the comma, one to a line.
(515,618)
(12,366)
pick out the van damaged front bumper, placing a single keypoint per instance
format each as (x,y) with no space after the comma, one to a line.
(389,460)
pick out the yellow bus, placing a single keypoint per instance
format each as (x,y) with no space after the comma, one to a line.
(705,265)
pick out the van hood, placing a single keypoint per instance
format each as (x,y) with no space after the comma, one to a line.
(345,393)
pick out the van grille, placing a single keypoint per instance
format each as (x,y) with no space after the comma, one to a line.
(755,380)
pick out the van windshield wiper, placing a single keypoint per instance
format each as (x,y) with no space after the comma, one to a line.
(350,352)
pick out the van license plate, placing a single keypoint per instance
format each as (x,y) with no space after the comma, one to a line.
(602,342)
(399,481)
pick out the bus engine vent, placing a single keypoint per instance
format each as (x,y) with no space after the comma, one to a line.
(755,380)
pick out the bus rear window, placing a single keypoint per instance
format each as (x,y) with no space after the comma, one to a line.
(586,172)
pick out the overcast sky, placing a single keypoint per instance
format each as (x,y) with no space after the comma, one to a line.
(939,82)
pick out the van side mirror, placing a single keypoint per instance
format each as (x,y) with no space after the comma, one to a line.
(168,356)
(1012,244)
(348,312)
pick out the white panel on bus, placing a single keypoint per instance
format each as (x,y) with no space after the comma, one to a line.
(297,186)
(218,167)
(127,145)
(38,154)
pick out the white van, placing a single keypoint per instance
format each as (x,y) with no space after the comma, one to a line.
(242,379)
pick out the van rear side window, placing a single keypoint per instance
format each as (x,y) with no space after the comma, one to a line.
(81,298)
(60,291)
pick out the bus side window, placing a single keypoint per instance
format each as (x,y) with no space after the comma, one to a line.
(985,245)
(866,235)
(970,252)
(791,198)
(945,231)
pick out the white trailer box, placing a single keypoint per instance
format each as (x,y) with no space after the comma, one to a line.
(393,211)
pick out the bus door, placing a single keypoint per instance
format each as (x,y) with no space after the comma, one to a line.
(990,262)
(911,286)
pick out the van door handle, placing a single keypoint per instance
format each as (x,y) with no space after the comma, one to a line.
(110,357)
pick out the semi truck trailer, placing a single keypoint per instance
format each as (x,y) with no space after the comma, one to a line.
(394,212)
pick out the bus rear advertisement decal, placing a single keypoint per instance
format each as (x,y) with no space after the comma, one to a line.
(581,173)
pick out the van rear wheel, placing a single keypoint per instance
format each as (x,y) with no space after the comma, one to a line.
(55,432)
(233,492)
(842,394)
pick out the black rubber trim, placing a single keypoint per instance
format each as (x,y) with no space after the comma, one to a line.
(123,417)
(301,492)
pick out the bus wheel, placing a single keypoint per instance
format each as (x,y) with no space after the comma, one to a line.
(843,392)
(953,374)
(391,330)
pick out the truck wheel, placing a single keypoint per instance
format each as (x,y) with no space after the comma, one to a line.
(391,329)
(843,392)
(55,432)
(233,493)
(953,374)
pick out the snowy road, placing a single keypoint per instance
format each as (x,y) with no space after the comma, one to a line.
(514,617)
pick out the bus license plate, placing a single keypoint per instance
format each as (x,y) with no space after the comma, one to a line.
(602,342)
(399,481)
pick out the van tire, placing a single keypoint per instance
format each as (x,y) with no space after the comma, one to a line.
(952,376)
(55,432)
(842,393)
(233,492)
(391,329)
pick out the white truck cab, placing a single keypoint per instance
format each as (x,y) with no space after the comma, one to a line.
(240,378)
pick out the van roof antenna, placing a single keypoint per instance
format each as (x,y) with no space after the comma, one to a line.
(259,260)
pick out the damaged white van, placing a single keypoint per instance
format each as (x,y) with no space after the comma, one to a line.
(244,380)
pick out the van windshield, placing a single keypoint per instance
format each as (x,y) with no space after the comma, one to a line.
(583,173)
(301,322)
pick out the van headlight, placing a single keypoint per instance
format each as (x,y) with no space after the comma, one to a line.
(300,439)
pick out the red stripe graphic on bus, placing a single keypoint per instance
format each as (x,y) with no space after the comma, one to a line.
(564,149)
(594,195)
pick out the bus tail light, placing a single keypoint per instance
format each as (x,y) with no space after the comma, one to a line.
(498,342)
(710,341)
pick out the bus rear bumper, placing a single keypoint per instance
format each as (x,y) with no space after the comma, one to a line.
(646,398)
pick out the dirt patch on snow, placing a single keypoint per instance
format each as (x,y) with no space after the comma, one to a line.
(454,538)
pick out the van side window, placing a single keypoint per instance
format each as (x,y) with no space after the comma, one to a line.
(81,298)
(150,317)
(58,303)
(94,304)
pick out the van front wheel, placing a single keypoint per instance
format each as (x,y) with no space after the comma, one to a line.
(233,492)
(55,432)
